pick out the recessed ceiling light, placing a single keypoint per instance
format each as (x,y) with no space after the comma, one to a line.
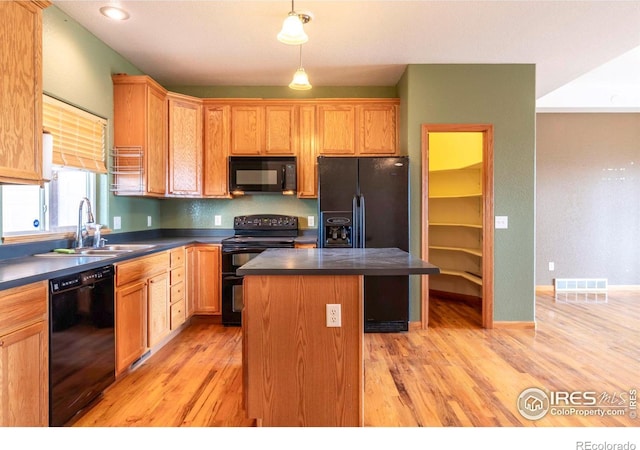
(114,13)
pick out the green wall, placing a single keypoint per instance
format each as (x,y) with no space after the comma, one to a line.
(502,95)
(77,69)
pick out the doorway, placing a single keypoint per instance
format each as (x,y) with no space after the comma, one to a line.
(457,214)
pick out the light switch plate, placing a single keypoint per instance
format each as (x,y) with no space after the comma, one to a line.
(502,222)
(117,223)
(311,221)
(217,220)
(149,221)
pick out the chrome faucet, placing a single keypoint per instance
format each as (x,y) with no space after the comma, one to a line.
(81,231)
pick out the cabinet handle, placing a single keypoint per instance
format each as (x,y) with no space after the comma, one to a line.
(1,343)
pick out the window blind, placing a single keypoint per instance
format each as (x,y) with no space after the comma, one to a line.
(79,139)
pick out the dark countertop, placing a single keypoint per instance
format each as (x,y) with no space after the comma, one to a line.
(30,269)
(18,271)
(325,261)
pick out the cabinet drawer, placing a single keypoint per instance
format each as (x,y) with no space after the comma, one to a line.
(177,314)
(139,268)
(177,292)
(177,275)
(23,305)
(177,257)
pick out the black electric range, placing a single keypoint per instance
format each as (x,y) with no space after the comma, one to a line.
(252,235)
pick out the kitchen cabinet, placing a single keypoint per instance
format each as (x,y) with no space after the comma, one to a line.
(207,272)
(24,356)
(455,229)
(177,258)
(21,99)
(336,130)
(307,154)
(191,283)
(358,128)
(142,306)
(185,146)
(217,138)
(140,136)
(263,129)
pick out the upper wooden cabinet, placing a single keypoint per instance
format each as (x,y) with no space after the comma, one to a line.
(263,129)
(217,137)
(21,99)
(307,153)
(185,146)
(140,136)
(358,128)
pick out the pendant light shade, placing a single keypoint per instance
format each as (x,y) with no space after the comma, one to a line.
(300,80)
(292,32)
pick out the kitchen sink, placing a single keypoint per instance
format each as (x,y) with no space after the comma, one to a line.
(108,250)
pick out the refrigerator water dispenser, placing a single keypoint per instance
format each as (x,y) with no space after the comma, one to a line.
(336,229)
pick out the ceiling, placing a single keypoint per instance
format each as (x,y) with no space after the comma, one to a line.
(363,43)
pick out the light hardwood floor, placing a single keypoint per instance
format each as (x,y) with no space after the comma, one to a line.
(453,374)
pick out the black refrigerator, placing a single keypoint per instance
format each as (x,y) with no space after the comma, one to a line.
(364,203)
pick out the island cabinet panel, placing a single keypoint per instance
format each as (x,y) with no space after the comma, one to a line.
(185,146)
(24,356)
(217,139)
(21,99)
(298,371)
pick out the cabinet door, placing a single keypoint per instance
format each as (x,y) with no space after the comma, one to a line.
(191,281)
(217,137)
(156,141)
(24,385)
(185,147)
(209,280)
(131,319)
(307,159)
(336,130)
(247,130)
(280,130)
(377,129)
(21,99)
(158,311)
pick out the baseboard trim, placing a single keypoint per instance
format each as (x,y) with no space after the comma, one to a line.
(517,325)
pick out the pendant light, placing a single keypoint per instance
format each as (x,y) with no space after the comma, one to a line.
(300,80)
(292,32)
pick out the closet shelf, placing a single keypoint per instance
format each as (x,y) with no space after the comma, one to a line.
(466,275)
(453,224)
(471,251)
(469,195)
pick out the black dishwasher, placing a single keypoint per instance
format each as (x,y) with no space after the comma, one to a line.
(81,341)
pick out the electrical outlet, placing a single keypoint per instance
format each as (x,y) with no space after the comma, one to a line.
(311,221)
(502,222)
(117,224)
(334,315)
(552,266)
(217,220)
(149,220)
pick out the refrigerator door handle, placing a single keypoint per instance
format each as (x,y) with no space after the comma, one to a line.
(362,222)
(355,236)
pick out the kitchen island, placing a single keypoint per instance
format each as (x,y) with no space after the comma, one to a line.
(302,360)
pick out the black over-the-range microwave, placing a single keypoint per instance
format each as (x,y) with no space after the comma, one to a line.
(262,174)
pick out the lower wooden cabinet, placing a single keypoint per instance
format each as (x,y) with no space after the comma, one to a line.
(24,356)
(142,307)
(131,320)
(206,278)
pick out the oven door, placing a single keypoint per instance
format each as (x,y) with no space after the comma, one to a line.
(232,298)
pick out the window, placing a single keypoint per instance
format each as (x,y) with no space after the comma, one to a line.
(78,155)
